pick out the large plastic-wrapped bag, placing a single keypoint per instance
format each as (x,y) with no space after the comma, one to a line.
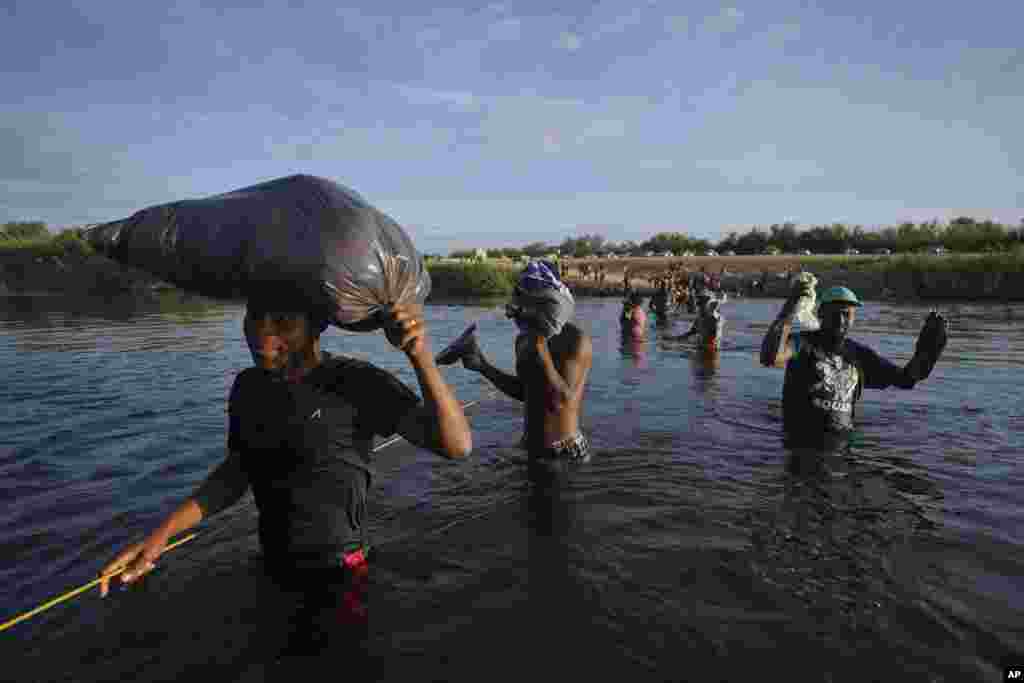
(309,234)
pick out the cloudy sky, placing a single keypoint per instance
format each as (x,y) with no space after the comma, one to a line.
(500,124)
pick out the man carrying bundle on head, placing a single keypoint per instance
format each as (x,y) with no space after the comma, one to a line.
(306,253)
(553,360)
(825,371)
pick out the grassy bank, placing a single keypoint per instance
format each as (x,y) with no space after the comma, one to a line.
(66,244)
(66,265)
(1009,262)
(471,279)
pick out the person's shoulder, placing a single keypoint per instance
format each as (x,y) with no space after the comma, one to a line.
(574,334)
(343,367)
(252,381)
(251,375)
(575,339)
(359,381)
(857,350)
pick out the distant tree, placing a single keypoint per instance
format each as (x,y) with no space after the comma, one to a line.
(753,242)
(784,237)
(24,230)
(536,249)
(582,246)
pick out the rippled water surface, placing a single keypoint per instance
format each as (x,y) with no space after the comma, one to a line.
(693,547)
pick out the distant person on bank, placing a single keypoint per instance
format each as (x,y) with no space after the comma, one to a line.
(826,372)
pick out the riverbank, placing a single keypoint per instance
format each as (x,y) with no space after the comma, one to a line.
(996,277)
(71,272)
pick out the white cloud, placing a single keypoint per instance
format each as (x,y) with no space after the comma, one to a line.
(679,25)
(506,29)
(569,41)
(455,99)
(726,21)
(601,129)
(427,36)
(779,35)
(619,24)
(764,165)
(552,143)
(655,164)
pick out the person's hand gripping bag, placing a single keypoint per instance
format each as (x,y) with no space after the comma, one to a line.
(308,234)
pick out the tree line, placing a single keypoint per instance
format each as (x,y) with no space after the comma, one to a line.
(34,236)
(964,235)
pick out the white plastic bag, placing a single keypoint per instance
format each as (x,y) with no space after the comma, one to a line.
(805,305)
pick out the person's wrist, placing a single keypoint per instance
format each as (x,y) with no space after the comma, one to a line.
(421,355)
(162,534)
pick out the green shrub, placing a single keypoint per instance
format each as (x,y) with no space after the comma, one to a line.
(71,242)
(67,243)
(24,230)
(471,279)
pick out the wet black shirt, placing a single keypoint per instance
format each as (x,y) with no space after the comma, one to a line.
(306,448)
(822,387)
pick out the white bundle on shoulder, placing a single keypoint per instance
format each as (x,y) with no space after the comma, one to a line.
(805,306)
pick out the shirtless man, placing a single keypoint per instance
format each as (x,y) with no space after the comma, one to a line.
(553,360)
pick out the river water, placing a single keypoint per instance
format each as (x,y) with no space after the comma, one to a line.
(694,546)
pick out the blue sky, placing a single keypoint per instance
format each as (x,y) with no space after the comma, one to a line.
(501,124)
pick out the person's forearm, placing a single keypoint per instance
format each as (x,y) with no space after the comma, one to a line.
(776,338)
(184,517)
(554,379)
(508,384)
(223,488)
(916,370)
(453,434)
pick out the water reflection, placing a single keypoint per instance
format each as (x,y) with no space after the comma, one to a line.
(165,321)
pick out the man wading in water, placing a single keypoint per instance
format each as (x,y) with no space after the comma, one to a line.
(301,433)
(708,325)
(826,372)
(553,359)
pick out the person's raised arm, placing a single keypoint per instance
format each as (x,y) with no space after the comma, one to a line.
(510,385)
(568,388)
(440,423)
(221,489)
(880,373)
(776,349)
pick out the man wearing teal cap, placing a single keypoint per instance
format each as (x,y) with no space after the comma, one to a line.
(826,372)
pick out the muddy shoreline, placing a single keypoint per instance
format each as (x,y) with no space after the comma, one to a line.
(94,275)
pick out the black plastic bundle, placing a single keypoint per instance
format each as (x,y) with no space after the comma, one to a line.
(302,233)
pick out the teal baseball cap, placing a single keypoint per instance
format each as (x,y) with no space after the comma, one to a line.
(839,295)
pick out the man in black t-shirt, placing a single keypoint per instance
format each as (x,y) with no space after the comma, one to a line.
(826,372)
(301,430)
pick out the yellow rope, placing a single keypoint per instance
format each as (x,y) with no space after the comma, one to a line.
(81,589)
